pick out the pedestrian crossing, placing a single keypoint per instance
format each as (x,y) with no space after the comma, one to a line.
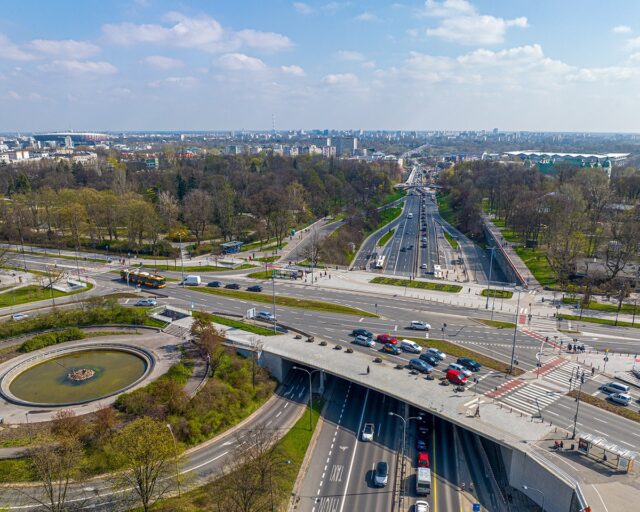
(336,473)
(329,504)
(531,399)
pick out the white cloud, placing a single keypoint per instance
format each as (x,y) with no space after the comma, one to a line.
(621,29)
(13,95)
(78,67)
(413,32)
(293,70)
(68,48)
(240,62)
(121,92)
(161,62)
(369,64)
(633,43)
(477,29)
(183,82)
(11,51)
(303,8)
(366,16)
(266,41)
(341,79)
(448,8)
(349,55)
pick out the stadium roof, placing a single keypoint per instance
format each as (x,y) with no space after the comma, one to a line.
(599,156)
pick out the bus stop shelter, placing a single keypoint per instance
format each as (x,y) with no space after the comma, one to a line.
(231,247)
(609,454)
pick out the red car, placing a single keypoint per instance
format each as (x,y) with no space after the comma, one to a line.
(386,338)
(423,460)
(456,377)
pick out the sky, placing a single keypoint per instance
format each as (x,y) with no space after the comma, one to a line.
(543,65)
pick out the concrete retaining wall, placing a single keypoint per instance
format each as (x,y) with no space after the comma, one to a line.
(504,262)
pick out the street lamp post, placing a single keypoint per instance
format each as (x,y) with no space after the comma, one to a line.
(490,270)
(273,292)
(575,418)
(527,488)
(310,373)
(515,331)
(404,432)
(175,455)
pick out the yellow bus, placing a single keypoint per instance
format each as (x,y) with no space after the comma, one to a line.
(143,278)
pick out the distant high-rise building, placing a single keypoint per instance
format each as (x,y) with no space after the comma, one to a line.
(346,145)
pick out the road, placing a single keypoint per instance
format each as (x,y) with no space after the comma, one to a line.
(401,252)
(429,255)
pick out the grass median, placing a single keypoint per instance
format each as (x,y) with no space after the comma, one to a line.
(34,293)
(196,268)
(452,241)
(620,410)
(496,323)
(236,324)
(498,294)
(422,285)
(386,237)
(593,305)
(455,351)
(282,300)
(602,321)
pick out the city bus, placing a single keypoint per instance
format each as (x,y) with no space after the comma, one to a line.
(143,278)
(379,262)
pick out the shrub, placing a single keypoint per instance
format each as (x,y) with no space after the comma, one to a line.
(51,338)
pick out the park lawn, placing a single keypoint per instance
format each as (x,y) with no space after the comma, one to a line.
(263,246)
(282,300)
(620,410)
(537,262)
(598,306)
(34,293)
(498,294)
(392,196)
(455,351)
(61,256)
(445,209)
(196,268)
(423,285)
(263,274)
(236,324)
(603,321)
(496,323)
(386,237)
(387,215)
(267,259)
(452,241)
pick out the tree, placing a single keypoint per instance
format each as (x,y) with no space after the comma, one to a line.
(211,343)
(623,246)
(144,450)
(196,213)
(168,209)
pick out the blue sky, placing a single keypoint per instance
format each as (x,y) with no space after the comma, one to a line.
(570,65)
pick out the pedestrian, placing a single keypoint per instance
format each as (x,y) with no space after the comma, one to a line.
(593,371)
(368,370)
(562,445)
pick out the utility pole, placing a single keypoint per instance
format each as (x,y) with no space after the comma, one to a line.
(273,292)
(490,271)
(515,331)
(575,419)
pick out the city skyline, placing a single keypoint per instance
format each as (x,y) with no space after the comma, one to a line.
(434,65)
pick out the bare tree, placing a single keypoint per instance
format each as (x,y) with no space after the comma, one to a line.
(197,210)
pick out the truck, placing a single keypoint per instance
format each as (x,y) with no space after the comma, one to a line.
(423,481)
(191,281)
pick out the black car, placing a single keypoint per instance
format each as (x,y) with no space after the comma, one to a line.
(254,288)
(214,284)
(362,332)
(232,286)
(381,475)
(429,359)
(470,364)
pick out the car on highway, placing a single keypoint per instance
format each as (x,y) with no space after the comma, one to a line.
(265,315)
(456,377)
(421,506)
(367,432)
(423,460)
(423,266)
(423,245)
(362,332)
(19,316)
(421,445)
(381,475)
(429,359)
(364,341)
(254,288)
(386,338)
(437,353)
(391,349)
(615,387)
(420,365)
(459,368)
(214,284)
(469,363)
(147,302)
(232,286)
(620,398)
(419,325)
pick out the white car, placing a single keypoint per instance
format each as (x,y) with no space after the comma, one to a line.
(19,316)
(620,398)
(147,302)
(265,315)
(465,371)
(421,506)
(419,325)
(367,432)
(437,353)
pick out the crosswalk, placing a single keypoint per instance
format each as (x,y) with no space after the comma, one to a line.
(329,504)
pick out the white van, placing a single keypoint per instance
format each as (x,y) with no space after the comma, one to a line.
(615,387)
(419,325)
(410,346)
(192,281)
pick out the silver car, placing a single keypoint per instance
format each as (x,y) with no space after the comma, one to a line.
(620,398)
(364,341)
(465,371)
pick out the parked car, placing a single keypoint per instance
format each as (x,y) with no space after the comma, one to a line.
(424,265)
(459,368)
(421,445)
(364,341)
(147,302)
(620,398)
(437,353)
(615,387)
(254,288)
(232,286)
(214,284)
(386,338)
(429,359)
(362,332)
(420,365)
(19,316)
(391,349)
(381,475)
(265,315)
(367,432)
(469,363)
(456,377)
(423,460)
(410,346)
(419,325)
(421,506)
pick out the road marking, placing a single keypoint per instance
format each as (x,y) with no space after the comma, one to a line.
(601,500)
(353,455)
(361,319)
(202,464)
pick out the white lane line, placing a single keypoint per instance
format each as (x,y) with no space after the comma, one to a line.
(601,500)
(353,455)
(187,470)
